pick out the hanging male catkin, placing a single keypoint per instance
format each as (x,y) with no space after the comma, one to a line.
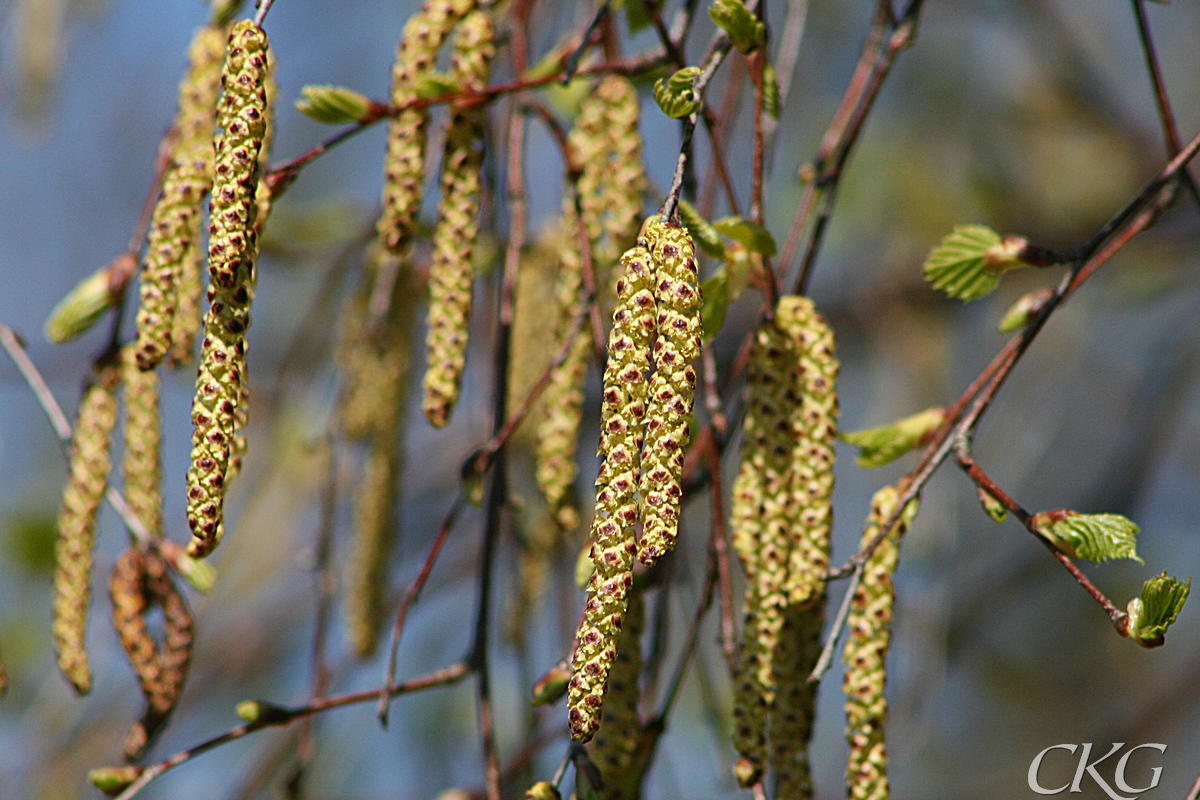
(88,478)
(232,251)
(677,299)
(174,239)
(453,269)
(404,166)
(814,426)
(614,750)
(869,626)
(760,519)
(606,145)
(143,442)
(621,438)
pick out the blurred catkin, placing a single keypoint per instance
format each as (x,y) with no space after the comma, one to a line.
(88,478)
(759,520)
(673,388)
(404,166)
(232,251)
(614,750)
(621,437)
(143,442)
(452,271)
(606,147)
(171,270)
(870,633)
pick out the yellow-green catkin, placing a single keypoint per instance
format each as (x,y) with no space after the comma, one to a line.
(232,251)
(869,626)
(542,790)
(404,167)
(374,531)
(795,703)
(814,426)
(614,750)
(760,519)
(173,248)
(90,463)
(452,271)
(143,443)
(673,388)
(606,145)
(623,418)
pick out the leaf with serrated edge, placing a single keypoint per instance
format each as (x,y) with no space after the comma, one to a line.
(879,446)
(1092,537)
(956,266)
(675,95)
(1151,614)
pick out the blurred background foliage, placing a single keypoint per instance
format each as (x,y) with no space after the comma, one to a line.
(1031,116)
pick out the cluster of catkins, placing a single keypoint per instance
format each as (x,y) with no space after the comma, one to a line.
(644,431)
(215,148)
(781,520)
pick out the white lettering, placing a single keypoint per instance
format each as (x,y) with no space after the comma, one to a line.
(1156,772)
(1090,768)
(1036,764)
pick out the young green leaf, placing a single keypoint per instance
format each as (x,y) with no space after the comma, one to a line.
(76,313)
(879,446)
(751,235)
(715,301)
(436,84)
(732,16)
(332,105)
(991,505)
(967,263)
(1092,537)
(703,232)
(1022,312)
(675,95)
(771,99)
(1151,614)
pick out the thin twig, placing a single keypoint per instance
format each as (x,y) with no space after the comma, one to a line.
(275,716)
(263,7)
(835,633)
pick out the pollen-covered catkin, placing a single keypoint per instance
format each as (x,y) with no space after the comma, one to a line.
(869,626)
(404,167)
(795,704)
(374,530)
(605,144)
(452,271)
(173,247)
(760,519)
(614,750)
(88,478)
(232,251)
(621,437)
(677,298)
(814,426)
(143,443)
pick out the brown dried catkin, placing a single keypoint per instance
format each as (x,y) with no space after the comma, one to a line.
(90,463)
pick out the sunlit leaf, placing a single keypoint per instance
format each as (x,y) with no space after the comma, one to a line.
(703,232)
(714,301)
(1092,537)
(332,105)
(1151,614)
(751,235)
(879,446)
(675,95)
(744,29)
(968,262)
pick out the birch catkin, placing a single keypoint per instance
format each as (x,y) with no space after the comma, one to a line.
(814,426)
(621,438)
(143,442)
(453,269)
(759,519)
(869,626)
(170,273)
(614,750)
(677,299)
(232,251)
(404,167)
(88,478)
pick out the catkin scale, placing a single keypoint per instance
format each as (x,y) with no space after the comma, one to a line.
(673,387)
(90,463)
(171,267)
(452,271)
(231,255)
(143,443)
(622,418)
(404,165)
(867,643)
